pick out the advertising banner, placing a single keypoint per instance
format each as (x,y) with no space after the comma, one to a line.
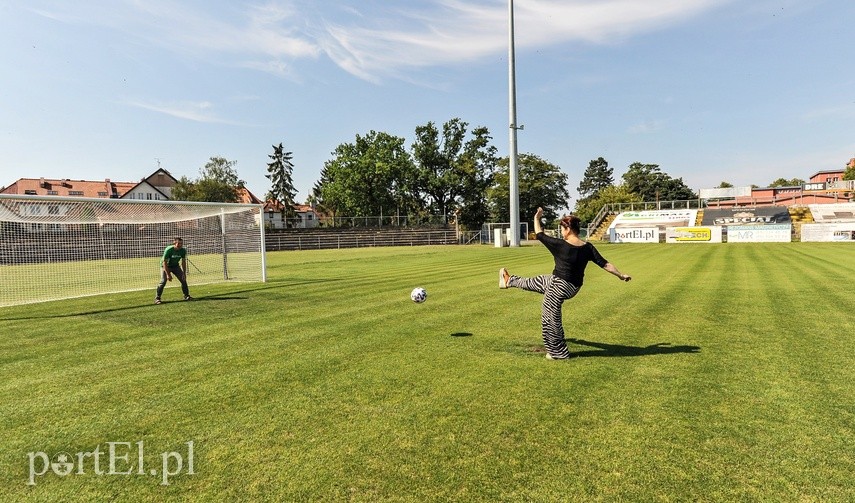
(844,232)
(779,233)
(710,234)
(658,218)
(831,213)
(728,193)
(634,235)
(760,215)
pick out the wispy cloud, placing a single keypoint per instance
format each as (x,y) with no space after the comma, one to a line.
(196,111)
(391,43)
(457,32)
(647,127)
(844,111)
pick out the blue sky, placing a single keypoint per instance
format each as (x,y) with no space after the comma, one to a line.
(711,90)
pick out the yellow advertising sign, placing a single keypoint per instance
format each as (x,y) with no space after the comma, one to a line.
(692,234)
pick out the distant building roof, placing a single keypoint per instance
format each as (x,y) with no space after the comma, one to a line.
(276,206)
(66,187)
(247,197)
(829,172)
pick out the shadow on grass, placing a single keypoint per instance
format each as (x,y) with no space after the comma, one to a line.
(130,307)
(603,349)
(462,334)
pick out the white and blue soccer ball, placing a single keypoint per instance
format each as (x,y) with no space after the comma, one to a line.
(418,295)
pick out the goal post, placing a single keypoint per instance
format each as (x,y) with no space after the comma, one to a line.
(54,247)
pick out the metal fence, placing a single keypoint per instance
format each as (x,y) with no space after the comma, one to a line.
(328,238)
(324,221)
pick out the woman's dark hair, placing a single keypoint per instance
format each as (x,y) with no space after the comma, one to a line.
(571,222)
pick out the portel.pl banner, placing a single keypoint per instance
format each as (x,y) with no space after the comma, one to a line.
(634,235)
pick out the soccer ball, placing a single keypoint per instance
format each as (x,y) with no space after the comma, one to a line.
(418,295)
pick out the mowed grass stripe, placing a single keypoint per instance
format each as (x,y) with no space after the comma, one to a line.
(327,383)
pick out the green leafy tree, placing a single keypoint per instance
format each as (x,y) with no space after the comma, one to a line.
(454,173)
(369,177)
(184,190)
(787,182)
(588,208)
(476,170)
(597,177)
(651,184)
(541,184)
(218,182)
(849,174)
(279,172)
(725,185)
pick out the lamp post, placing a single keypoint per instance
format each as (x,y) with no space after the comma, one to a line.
(513,169)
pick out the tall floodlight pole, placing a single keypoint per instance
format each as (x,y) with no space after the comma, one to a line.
(512,155)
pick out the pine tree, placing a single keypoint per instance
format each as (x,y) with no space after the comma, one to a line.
(279,172)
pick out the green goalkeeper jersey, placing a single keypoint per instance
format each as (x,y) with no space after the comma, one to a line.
(173,256)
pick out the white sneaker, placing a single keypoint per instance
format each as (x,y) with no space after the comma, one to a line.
(550,357)
(503,283)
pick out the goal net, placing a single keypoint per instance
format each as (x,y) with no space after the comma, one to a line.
(55,247)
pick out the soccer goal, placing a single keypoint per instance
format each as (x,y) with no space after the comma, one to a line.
(55,247)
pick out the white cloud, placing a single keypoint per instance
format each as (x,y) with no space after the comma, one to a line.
(373,44)
(647,127)
(846,111)
(196,111)
(456,32)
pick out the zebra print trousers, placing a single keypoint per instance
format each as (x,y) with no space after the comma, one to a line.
(555,291)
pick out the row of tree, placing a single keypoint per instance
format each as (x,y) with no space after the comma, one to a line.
(641,182)
(450,172)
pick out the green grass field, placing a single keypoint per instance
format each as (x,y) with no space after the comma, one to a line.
(720,373)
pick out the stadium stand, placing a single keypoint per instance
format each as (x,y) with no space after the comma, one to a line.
(749,215)
(333,238)
(800,215)
(602,230)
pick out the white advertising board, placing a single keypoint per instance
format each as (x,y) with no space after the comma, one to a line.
(634,235)
(829,213)
(775,233)
(728,193)
(708,234)
(844,232)
(648,218)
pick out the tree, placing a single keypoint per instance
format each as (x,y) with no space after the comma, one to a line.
(218,182)
(184,190)
(784,182)
(597,177)
(588,208)
(453,173)
(725,185)
(541,184)
(651,184)
(372,176)
(849,174)
(279,172)
(476,171)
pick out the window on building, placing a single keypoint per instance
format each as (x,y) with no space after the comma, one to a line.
(51,193)
(102,194)
(75,192)
(148,196)
(30,192)
(309,216)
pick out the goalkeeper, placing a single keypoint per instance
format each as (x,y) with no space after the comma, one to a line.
(174,262)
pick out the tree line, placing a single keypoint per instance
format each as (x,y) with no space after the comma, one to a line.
(450,171)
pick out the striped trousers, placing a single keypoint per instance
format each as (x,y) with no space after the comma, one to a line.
(555,291)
